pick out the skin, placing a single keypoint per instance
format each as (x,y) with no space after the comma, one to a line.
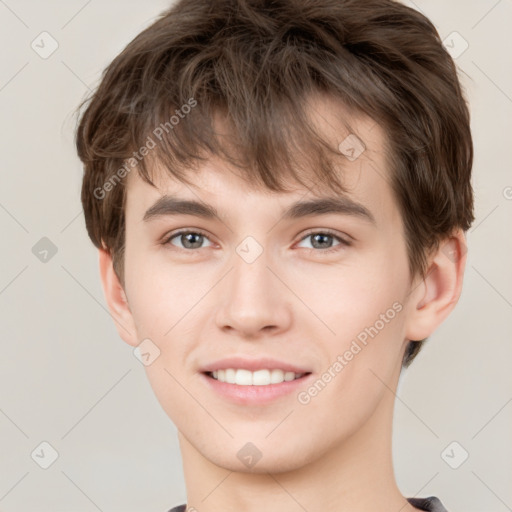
(292,303)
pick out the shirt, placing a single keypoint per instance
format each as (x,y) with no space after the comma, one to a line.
(430,504)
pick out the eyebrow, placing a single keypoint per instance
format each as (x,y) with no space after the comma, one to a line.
(169,205)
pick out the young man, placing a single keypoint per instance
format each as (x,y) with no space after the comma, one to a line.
(279,193)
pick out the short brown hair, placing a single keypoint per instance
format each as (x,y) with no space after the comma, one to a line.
(256,62)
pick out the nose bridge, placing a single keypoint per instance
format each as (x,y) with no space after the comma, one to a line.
(250,276)
(251,299)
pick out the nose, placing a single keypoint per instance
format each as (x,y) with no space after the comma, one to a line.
(254,301)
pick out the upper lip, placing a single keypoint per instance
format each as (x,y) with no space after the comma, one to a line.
(253,365)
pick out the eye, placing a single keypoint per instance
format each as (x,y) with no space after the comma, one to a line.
(321,241)
(189,239)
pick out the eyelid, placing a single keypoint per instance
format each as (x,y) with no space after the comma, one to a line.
(166,239)
(311,231)
(326,231)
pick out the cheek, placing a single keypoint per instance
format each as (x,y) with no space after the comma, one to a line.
(365,314)
(162,296)
(349,298)
(171,390)
(361,368)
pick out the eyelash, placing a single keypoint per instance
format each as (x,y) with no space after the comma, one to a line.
(343,242)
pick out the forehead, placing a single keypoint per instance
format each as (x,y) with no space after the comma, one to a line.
(362,165)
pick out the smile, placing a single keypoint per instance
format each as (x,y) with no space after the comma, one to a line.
(242,377)
(255,388)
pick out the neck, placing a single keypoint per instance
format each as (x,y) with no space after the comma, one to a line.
(355,474)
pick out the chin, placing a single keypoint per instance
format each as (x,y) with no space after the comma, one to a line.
(271,461)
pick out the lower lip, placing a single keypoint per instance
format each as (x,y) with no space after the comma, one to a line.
(250,395)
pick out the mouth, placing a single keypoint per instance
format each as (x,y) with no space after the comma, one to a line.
(255,388)
(263,377)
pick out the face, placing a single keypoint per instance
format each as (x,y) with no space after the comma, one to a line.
(258,294)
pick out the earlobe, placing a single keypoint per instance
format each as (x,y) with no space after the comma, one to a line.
(116,299)
(436,296)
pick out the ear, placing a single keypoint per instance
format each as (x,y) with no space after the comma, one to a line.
(435,296)
(116,299)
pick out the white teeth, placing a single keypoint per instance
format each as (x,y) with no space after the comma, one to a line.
(276,376)
(258,378)
(230,375)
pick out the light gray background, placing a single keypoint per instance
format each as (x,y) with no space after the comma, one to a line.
(68,379)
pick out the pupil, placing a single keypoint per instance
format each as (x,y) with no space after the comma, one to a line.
(322,236)
(193,235)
